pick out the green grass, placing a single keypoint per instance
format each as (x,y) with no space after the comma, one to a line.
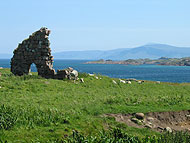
(40,110)
(118,136)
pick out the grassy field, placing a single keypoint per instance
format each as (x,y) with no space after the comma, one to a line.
(34,109)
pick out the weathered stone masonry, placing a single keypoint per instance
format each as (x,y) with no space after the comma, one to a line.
(35,50)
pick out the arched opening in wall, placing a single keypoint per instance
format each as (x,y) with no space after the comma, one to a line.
(33,68)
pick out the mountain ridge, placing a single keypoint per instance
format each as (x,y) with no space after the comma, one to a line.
(152,51)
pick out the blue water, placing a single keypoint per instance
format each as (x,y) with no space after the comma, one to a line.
(143,72)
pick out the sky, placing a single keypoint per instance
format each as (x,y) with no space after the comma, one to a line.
(78,25)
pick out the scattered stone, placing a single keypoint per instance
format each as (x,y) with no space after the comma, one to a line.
(128,82)
(135,120)
(149,123)
(121,117)
(176,124)
(160,128)
(148,126)
(131,79)
(168,129)
(158,82)
(114,81)
(188,130)
(74,74)
(82,80)
(122,81)
(143,121)
(0,87)
(96,77)
(139,116)
(68,73)
(61,74)
(140,82)
(188,116)
(150,119)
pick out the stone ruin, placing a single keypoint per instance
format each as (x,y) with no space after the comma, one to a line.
(35,49)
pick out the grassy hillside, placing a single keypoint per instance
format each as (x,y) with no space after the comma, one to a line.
(34,109)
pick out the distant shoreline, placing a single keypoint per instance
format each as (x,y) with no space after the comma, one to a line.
(161,61)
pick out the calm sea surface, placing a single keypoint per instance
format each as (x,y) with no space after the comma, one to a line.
(142,72)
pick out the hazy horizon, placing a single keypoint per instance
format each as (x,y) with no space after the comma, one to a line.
(111,49)
(151,50)
(80,25)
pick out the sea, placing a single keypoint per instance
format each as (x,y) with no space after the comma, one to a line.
(176,74)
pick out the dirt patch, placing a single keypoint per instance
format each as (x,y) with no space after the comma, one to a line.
(158,121)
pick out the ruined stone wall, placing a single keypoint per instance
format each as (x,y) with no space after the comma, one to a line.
(35,50)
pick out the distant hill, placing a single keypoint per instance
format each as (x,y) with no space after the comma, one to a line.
(152,51)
